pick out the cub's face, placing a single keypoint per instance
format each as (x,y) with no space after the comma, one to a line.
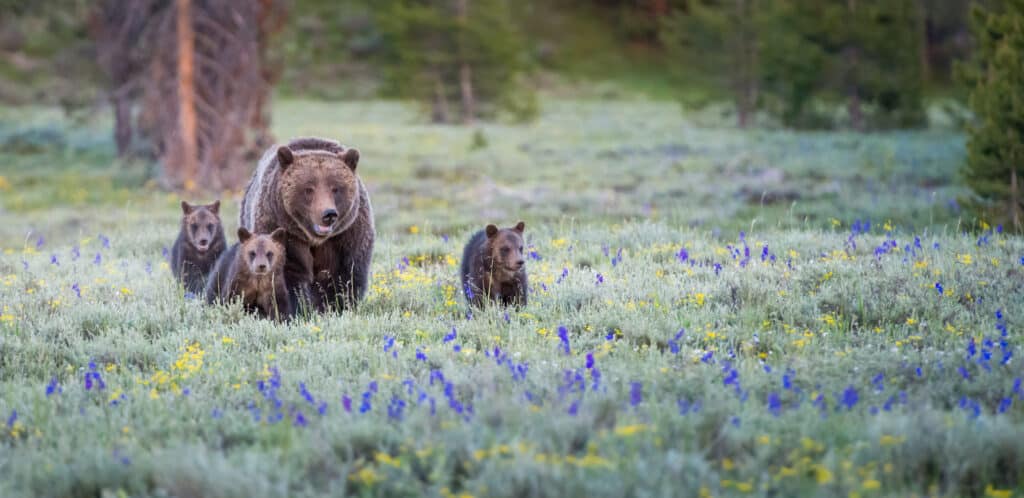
(319,189)
(263,254)
(201,224)
(506,247)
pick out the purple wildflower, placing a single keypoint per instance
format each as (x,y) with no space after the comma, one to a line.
(563,335)
(683,256)
(774,404)
(850,397)
(600,279)
(346,403)
(636,393)
(590,360)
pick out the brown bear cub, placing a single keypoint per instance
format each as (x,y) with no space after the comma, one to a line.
(493,266)
(200,242)
(253,269)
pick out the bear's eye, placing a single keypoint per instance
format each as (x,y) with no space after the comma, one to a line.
(195,227)
(309,190)
(209,227)
(334,190)
(270,256)
(520,248)
(504,250)
(252,254)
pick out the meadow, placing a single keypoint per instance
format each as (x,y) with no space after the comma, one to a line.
(713,313)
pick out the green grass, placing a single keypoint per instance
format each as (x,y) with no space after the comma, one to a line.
(829,314)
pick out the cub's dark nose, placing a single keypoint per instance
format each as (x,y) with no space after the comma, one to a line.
(520,263)
(329,216)
(203,242)
(261,267)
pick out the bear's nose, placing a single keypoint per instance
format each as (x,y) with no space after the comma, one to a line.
(329,216)
(261,267)
(203,242)
(520,263)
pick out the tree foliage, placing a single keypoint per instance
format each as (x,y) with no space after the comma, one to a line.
(995,162)
(462,57)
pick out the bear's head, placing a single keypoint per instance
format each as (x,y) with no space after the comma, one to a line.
(201,224)
(263,254)
(319,190)
(505,249)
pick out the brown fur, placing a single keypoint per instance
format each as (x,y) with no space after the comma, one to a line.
(253,270)
(309,187)
(493,266)
(200,242)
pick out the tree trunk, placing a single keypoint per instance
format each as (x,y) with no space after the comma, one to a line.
(465,71)
(853,105)
(122,123)
(186,95)
(924,50)
(746,85)
(439,112)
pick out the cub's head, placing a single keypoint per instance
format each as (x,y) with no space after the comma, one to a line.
(201,224)
(263,254)
(319,189)
(505,246)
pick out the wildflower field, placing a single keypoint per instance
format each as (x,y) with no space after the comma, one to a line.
(712,313)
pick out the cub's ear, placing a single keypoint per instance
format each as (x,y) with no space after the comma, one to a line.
(520,227)
(284,156)
(186,207)
(491,231)
(279,235)
(215,207)
(351,158)
(243,234)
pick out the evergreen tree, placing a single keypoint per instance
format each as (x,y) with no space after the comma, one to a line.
(720,38)
(995,162)
(461,56)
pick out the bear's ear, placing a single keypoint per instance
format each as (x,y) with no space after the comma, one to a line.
(351,158)
(520,227)
(284,156)
(279,235)
(215,207)
(243,234)
(491,231)
(186,207)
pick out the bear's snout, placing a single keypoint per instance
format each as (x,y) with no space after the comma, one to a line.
(521,263)
(329,216)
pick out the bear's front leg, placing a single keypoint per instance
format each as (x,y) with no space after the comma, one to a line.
(298,271)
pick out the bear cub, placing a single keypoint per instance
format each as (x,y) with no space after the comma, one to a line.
(200,242)
(493,266)
(254,270)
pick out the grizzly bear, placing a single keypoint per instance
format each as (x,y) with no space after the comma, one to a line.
(253,269)
(309,187)
(493,266)
(200,242)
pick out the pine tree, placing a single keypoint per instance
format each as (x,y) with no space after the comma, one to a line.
(463,56)
(995,161)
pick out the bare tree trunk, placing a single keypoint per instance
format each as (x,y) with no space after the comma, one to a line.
(923,51)
(186,95)
(853,105)
(465,71)
(122,123)
(468,102)
(440,112)
(746,85)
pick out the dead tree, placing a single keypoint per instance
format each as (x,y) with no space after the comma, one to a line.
(204,86)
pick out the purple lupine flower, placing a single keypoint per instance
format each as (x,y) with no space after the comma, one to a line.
(683,256)
(300,420)
(53,260)
(938,287)
(53,387)
(1005,404)
(774,404)
(600,279)
(420,356)
(105,241)
(565,273)
(39,242)
(563,335)
(590,360)
(673,344)
(97,260)
(12,419)
(850,397)
(346,403)
(451,335)
(636,393)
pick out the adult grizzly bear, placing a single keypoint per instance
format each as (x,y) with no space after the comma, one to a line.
(309,187)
